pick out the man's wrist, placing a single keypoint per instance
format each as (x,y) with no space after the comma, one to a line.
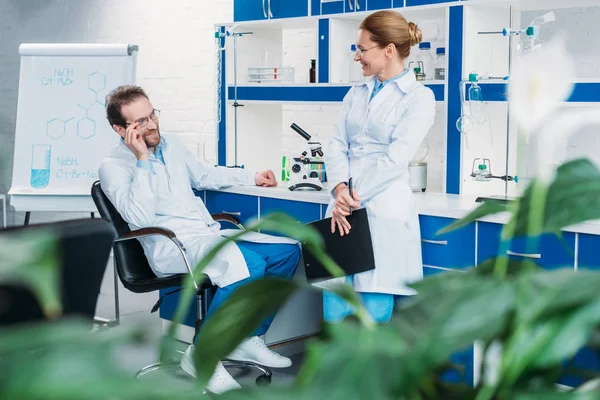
(143,157)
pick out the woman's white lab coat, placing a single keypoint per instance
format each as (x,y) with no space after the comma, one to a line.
(165,198)
(373,143)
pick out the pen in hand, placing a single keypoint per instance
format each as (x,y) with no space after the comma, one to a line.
(350,190)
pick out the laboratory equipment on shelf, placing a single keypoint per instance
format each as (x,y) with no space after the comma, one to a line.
(425,57)
(481,171)
(271,74)
(301,176)
(530,36)
(418,70)
(417,168)
(476,104)
(355,74)
(439,67)
(312,72)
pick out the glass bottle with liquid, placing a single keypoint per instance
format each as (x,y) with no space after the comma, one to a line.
(313,71)
(424,55)
(476,105)
(439,70)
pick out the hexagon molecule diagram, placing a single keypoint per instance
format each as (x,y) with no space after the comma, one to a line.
(86,128)
(56,128)
(96,82)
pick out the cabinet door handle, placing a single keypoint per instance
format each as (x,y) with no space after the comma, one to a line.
(440,242)
(350,5)
(236,213)
(264,9)
(356,5)
(270,13)
(512,253)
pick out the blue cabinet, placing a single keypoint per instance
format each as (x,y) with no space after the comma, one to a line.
(588,252)
(301,211)
(249,10)
(451,250)
(412,3)
(378,4)
(287,9)
(398,3)
(242,206)
(549,251)
(333,7)
(254,10)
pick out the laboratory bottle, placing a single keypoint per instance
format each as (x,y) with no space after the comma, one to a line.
(424,55)
(439,71)
(354,68)
(476,105)
(313,71)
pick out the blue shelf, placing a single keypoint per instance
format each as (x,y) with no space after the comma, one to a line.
(583,92)
(309,93)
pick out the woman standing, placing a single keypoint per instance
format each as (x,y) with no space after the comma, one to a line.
(381,126)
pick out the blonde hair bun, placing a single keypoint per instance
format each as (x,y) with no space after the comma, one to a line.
(414,33)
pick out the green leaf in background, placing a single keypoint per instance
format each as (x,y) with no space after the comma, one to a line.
(65,360)
(489,207)
(236,319)
(548,292)
(547,394)
(515,268)
(31,259)
(354,363)
(573,197)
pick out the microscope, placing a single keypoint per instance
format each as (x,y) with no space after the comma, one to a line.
(300,175)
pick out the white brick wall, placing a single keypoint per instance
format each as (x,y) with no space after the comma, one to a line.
(175,62)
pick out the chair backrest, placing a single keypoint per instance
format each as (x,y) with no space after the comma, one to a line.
(83,248)
(132,265)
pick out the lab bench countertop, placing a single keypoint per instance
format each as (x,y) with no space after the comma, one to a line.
(428,203)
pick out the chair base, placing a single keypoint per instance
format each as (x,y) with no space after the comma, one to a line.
(263,380)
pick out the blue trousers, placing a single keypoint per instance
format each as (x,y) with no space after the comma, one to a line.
(379,305)
(263,260)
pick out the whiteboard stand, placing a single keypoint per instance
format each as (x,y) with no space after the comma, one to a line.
(3,198)
(28,216)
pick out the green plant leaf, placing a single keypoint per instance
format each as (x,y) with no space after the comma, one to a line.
(354,363)
(573,197)
(555,395)
(488,207)
(548,292)
(236,319)
(31,259)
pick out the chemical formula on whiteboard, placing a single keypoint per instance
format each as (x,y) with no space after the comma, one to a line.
(60,77)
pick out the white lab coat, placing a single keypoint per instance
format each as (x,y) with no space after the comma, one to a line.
(373,143)
(165,198)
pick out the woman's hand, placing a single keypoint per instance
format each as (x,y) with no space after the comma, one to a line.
(343,203)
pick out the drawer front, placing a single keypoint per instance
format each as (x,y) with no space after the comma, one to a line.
(301,211)
(429,271)
(240,205)
(451,250)
(589,251)
(333,7)
(550,252)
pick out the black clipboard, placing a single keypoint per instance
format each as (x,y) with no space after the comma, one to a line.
(352,252)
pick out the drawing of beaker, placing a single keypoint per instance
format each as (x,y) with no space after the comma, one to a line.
(40,166)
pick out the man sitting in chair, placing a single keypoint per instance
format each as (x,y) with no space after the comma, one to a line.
(149,177)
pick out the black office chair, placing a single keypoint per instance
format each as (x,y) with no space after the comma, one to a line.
(83,250)
(137,275)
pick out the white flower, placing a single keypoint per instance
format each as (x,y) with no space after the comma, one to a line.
(540,82)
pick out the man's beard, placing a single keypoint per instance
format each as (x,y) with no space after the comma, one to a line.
(153,142)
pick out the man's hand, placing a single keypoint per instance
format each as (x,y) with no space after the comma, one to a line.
(135,142)
(265,178)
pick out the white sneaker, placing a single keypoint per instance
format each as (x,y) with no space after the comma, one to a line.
(219,382)
(255,350)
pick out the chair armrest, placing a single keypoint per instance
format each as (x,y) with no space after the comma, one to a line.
(169,234)
(154,230)
(229,218)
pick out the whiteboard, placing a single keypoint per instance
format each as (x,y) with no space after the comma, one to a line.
(62,133)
